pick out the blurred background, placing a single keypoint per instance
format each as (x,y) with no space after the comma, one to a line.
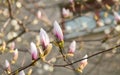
(93,24)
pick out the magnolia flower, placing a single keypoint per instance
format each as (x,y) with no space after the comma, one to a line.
(15,57)
(12,46)
(45,42)
(116,15)
(44,39)
(7,66)
(65,12)
(58,31)
(71,1)
(22,73)
(83,63)
(100,23)
(33,51)
(72,47)
(39,14)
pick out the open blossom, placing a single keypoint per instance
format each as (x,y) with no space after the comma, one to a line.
(58,31)
(22,73)
(117,16)
(7,66)
(83,63)
(33,51)
(65,12)
(44,39)
(72,47)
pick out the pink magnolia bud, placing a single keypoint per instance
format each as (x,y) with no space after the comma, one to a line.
(22,73)
(65,12)
(7,66)
(85,59)
(117,16)
(15,57)
(39,14)
(83,63)
(12,46)
(71,1)
(44,39)
(33,51)
(100,23)
(72,47)
(58,31)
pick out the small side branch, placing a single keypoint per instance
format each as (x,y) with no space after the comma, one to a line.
(10,9)
(88,56)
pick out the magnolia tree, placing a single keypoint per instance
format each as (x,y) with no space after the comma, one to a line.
(40,52)
(49,41)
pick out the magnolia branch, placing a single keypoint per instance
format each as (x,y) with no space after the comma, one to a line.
(31,64)
(21,33)
(10,9)
(88,56)
(22,68)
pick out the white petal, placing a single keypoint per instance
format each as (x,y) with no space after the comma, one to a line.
(7,64)
(33,49)
(117,16)
(72,46)
(39,14)
(85,60)
(15,54)
(65,12)
(22,73)
(44,37)
(58,31)
(71,1)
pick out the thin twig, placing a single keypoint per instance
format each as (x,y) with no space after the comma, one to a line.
(10,9)
(31,64)
(21,33)
(5,25)
(88,56)
(22,68)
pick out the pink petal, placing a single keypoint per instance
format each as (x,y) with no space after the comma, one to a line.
(58,31)
(83,63)
(12,46)
(71,1)
(39,14)
(85,60)
(22,73)
(7,64)
(33,51)
(72,47)
(44,38)
(65,12)
(117,16)
(15,54)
